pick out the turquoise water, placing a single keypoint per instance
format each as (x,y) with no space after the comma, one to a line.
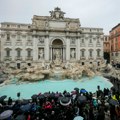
(28,89)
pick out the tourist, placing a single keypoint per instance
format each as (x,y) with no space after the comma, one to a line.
(9,101)
(49,107)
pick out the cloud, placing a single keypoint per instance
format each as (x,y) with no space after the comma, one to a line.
(92,13)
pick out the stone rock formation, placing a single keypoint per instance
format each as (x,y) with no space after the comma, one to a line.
(51,70)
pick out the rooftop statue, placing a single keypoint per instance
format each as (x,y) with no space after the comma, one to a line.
(57,13)
(57,9)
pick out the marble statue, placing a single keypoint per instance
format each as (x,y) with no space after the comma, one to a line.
(57,13)
(73,53)
(34,23)
(43,64)
(41,54)
(47,24)
(52,14)
(57,54)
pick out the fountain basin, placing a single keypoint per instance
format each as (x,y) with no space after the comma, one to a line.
(28,89)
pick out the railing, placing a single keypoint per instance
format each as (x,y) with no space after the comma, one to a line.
(29,58)
(98,58)
(98,45)
(91,58)
(82,44)
(90,45)
(8,44)
(29,44)
(8,58)
(82,58)
(18,43)
(18,58)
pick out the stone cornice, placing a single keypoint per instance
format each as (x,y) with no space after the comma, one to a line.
(14,29)
(92,28)
(93,33)
(14,23)
(48,18)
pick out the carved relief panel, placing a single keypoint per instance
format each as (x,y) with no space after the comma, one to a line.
(72,41)
(41,41)
(39,23)
(73,25)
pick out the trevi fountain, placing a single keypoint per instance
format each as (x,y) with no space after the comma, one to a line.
(55,76)
(53,62)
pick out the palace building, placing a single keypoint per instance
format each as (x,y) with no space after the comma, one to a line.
(115,43)
(49,38)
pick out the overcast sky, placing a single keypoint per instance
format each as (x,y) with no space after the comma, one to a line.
(92,13)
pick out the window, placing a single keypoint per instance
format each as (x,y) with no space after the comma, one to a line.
(18,53)
(98,53)
(98,63)
(90,41)
(82,41)
(90,53)
(8,53)
(83,63)
(98,41)
(29,53)
(18,37)
(8,25)
(106,38)
(116,46)
(29,37)
(8,37)
(29,64)
(7,64)
(82,53)
(24,36)
(18,65)
(18,26)
(116,54)
(112,54)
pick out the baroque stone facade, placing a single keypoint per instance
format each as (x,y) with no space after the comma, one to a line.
(49,38)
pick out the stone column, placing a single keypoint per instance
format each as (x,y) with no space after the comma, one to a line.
(77,49)
(46,49)
(67,49)
(51,53)
(2,49)
(50,56)
(64,54)
(23,52)
(35,49)
(13,51)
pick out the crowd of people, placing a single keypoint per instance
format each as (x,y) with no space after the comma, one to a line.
(115,64)
(102,105)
